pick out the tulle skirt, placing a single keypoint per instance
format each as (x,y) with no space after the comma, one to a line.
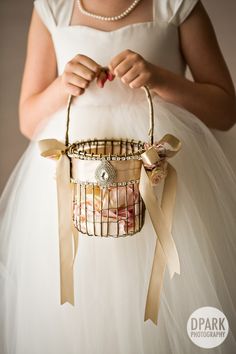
(111,275)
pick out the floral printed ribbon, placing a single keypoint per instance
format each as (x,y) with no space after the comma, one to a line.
(161,216)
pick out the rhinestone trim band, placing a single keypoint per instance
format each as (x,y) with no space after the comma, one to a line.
(77,181)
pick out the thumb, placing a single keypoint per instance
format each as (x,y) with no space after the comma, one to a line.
(102,78)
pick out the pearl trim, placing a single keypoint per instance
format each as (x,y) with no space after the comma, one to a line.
(107,18)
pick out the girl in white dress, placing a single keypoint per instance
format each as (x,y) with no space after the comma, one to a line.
(150,46)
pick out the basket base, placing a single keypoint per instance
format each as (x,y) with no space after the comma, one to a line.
(111,229)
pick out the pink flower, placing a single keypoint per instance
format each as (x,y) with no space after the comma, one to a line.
(158,170)
(125,195)
(158,173)
(123,207)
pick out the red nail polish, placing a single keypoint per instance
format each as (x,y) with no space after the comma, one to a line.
(103,81)
(110,76)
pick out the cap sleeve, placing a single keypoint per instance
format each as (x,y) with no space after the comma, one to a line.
(180,9)
(54,13)
(44,11)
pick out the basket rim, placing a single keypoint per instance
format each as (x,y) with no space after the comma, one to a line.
(73,151)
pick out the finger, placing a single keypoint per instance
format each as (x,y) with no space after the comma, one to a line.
(145,78)
(130,75)
(122,68)
(102,78)
(80,70)
(118,59)
(110,76)
(74,90)
(88,62)
(77,80)
(139,81)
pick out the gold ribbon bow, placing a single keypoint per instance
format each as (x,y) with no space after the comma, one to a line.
(161,217)
(54,149)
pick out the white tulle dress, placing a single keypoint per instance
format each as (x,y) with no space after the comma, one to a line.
(112,275)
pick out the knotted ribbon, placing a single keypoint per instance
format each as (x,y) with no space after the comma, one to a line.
(161,217)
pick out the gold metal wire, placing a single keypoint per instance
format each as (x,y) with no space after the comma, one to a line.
(110,149)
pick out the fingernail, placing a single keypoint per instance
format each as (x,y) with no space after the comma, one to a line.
(103,81)
(110,76)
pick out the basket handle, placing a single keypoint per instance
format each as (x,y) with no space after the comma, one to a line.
(151,116)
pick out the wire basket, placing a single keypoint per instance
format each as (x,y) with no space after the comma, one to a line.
(104,187)
(105,174)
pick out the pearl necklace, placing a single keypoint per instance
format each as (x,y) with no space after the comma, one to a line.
(107,18)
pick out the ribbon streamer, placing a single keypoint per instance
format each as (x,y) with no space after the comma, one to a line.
(161,217)
(54,149)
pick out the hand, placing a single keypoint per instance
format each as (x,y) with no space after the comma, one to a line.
(79,72)
(133,69)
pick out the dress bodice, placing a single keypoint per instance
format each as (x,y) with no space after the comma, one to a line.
(157,41)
